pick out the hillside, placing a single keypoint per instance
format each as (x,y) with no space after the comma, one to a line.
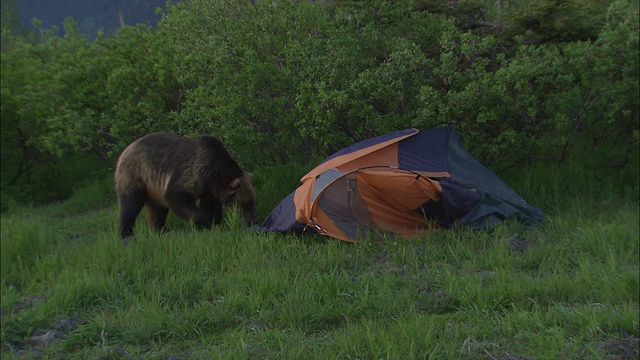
(91,16)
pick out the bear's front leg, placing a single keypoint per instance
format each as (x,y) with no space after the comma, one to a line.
(182,204)
(209,210)
(203,211)
(156,216)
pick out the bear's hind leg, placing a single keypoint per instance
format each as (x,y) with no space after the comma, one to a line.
(156,216)
(130,203)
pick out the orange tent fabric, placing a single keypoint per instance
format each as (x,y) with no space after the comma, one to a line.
(400,184)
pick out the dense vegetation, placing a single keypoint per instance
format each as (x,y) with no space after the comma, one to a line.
(568,289)
(522,82)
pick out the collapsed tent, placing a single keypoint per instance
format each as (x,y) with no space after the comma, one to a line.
(401,183)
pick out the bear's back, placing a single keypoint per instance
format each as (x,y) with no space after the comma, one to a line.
(162,151)
(157,151)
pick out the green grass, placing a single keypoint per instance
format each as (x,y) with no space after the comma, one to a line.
(570,292)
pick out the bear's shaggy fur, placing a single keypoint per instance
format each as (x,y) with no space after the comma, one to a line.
(193,177)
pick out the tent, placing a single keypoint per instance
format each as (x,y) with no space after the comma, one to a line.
(402,184)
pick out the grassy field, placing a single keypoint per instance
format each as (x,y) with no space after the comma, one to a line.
(568,289)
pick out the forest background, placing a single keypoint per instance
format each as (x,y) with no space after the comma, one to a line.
(523,82)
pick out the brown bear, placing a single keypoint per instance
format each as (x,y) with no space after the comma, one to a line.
(193,177)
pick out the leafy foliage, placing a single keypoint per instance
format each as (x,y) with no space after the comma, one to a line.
(521,81)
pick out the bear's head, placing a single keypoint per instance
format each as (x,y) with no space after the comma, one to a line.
(240,193)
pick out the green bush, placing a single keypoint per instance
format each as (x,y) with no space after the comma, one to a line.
(285,81)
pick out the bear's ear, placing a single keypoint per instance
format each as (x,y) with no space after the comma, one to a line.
(231,190)
(234,184)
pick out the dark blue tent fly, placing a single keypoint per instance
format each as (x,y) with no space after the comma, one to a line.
(406,182)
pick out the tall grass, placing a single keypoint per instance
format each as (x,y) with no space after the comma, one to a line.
(570,291)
